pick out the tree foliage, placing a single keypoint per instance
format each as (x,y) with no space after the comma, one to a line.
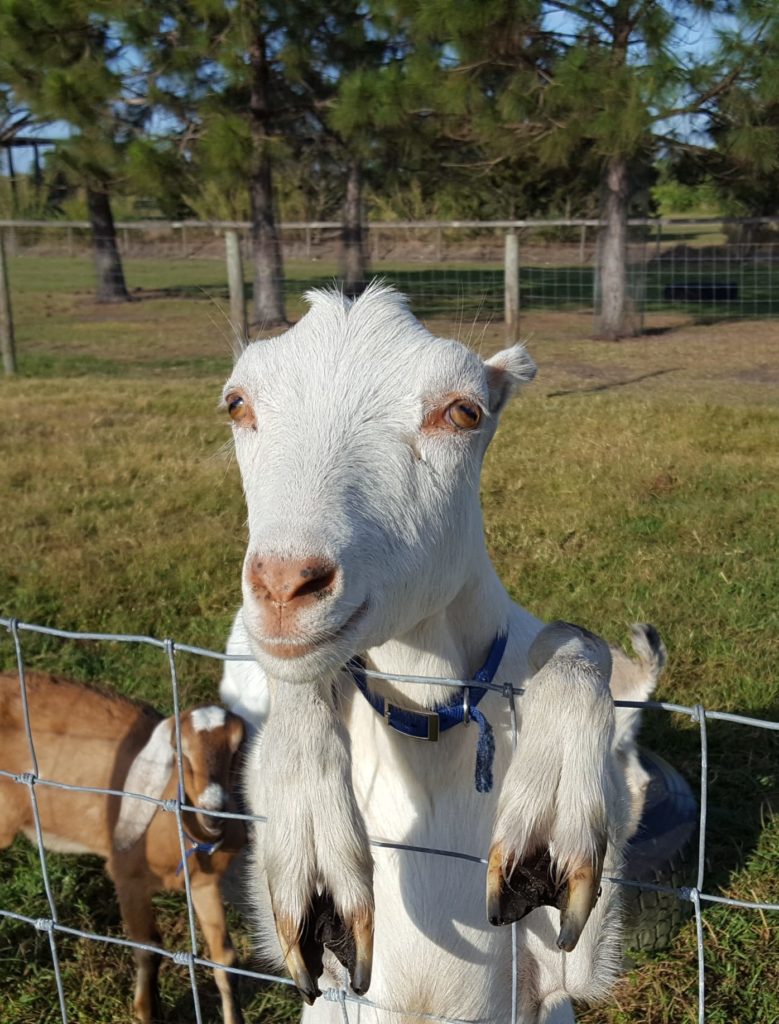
(448,108)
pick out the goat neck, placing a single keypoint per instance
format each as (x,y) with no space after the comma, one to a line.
(451,643)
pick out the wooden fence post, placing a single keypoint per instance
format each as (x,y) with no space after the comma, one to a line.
(235,283)
(511,285)
(6,321)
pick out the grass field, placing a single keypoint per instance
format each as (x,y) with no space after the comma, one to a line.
(634,481)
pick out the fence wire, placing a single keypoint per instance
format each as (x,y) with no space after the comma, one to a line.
(708,269)
(190,957)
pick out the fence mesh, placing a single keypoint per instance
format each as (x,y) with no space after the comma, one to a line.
(702,269)
(191,958)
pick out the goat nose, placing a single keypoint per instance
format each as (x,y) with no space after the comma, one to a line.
(284,581)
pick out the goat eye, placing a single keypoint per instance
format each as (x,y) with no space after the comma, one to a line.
(236,406)
(464,415)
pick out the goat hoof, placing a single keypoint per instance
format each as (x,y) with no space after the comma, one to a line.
(515,887)
(580,895)
(324,928)
(303,960)
(351,944)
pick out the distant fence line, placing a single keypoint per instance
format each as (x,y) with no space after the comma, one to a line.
(705,267)
(296,225)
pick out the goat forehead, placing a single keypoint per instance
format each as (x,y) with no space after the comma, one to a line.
(205,719)
(375,355)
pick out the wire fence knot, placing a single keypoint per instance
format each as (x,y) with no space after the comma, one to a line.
(44,924)
(690,893)
(26,778)
(183,959)
(169,805)
(508,690)
(334,995)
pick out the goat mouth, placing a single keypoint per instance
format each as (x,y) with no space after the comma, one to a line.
(290,650)
(213,827)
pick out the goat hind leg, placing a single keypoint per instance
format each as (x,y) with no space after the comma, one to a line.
(551,833)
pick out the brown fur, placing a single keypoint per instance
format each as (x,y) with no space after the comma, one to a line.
(89,737)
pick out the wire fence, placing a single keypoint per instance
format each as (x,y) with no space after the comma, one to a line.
(191,958)
(706,269)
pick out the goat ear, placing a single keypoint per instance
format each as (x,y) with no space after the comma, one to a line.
(149,774)
(506,373)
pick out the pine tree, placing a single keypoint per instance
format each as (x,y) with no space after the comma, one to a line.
(599,87)
(59,61)
(221,72)
(743,124)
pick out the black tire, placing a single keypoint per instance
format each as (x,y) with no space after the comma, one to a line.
(662,852)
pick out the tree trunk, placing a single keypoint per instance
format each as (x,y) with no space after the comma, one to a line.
(355,268)
(108,262)
(268,307)
(613,319)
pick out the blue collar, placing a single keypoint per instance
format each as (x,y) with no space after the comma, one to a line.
(196,847)
(427,725)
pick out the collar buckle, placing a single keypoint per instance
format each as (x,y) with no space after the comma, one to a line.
(430,719)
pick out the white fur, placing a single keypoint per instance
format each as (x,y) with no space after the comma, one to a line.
(341,469)
(244,687)
(205,719)
(149,774)
(212,798)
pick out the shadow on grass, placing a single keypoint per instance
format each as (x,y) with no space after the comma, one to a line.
(610,385)
(742,786)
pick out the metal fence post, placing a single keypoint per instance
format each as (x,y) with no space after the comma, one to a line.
(7,343)
(511,284)
(235,283)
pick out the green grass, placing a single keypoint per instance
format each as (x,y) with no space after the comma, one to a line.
(632,482)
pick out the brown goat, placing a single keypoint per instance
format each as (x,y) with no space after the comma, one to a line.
(87,737)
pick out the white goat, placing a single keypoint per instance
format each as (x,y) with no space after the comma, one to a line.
(86,737)
(360,438)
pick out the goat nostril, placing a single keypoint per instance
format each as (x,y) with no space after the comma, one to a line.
(284,581)
(318,578)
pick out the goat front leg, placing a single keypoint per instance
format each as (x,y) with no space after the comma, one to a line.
(552,827)
(209,907)
(314,847)
(139,923)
